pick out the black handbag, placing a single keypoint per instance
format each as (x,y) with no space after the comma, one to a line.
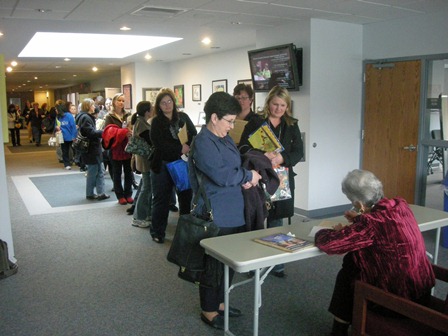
(186,251)
(81,143)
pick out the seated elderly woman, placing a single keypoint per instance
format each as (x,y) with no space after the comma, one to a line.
(384,248)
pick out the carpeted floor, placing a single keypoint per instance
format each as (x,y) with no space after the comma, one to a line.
(84,270)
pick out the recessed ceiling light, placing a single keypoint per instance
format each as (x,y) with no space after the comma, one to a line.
(9,69)
(206,41)
(94,69)
(58,67)
(124,28)
(35,77)
(1,34)
(66,59)
(75,75)
(148,56)
(41,10)
(86,45)
(13,63)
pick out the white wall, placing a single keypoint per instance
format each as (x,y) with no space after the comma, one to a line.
(335,109)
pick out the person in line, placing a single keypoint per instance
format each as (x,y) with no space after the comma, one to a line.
(66,124)
(216,158)
(142,129)
(120,159)
(277,114)
(383,246)
(35,119)
(26,115)
(165,127)
(94,156)
(13,122)
(245,96)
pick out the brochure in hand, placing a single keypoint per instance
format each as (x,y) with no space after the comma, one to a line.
(285,242)
(264,139)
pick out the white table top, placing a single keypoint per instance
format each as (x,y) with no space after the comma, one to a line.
(242,254)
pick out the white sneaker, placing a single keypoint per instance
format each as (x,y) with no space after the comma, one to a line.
(68,168)
(141,223)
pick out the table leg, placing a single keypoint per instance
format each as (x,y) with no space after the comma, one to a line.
(226,299)
(256,300)
(436,250)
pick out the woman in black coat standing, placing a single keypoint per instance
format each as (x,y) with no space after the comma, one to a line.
(277,114)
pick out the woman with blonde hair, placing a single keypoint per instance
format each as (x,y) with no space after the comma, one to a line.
(115,136)
(277,114)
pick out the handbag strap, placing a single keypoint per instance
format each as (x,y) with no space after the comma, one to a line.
(201,189)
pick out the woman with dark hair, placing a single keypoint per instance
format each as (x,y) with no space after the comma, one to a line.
(66,124)
(277,114)
(13,122)
(165,127)
(116,133)
(142,129)
(35,118)
(383,246)
(217,160)
(245,96)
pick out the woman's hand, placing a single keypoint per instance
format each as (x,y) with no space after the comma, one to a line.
(255,178)
(185,149)
(277,160)
(270,155)
(350,215)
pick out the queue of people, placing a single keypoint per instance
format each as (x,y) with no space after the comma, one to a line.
(381,242)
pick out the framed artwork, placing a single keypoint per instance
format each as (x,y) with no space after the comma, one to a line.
(127,91)
(248,82)
(196,92)
(219,85)
(179,95)
(201,119)
(150,94)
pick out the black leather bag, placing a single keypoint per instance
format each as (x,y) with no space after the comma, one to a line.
(81,143)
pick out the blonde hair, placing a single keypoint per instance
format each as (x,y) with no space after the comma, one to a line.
(114,99)
(282,93)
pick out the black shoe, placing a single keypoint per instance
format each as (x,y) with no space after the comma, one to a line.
(233,312)
(173,208)
(158,240)
(93,197)
(280,274)
(135,185)
(217,322)
(102,197)
(130,210)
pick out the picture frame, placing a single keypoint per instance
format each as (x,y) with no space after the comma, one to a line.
(179,96)
(150,94)
(248,82)
(196,92)
(201,119)
(219,85)
(127,92)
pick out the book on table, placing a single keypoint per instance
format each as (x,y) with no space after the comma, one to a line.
(265,139)
(285,242)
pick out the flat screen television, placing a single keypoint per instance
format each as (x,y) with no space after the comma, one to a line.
(278,65)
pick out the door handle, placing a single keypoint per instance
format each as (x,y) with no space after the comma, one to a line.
(410,148)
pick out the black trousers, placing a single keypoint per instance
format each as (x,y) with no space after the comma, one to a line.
(211,298)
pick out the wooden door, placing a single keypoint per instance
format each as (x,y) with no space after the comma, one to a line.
(391,120)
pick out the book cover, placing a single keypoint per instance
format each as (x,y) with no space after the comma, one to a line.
(183,135)
(283,191)
(284,242)
(264,139)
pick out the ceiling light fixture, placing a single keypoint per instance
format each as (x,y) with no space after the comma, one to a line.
(86,45)
(206,41)
(13,63)
(148,56)
(66,59)
(1,34)
(9,69)
(94,69)
(124,28)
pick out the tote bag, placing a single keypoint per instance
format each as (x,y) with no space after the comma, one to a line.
(179,173)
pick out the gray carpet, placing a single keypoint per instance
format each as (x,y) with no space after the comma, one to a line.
(89,272)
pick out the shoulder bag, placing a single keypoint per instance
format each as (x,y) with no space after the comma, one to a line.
(81,143)
(139,146)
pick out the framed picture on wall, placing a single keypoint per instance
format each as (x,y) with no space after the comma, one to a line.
(150,94)
(127,91)
(179,95)
(219,85)
(196,92)
(248,82)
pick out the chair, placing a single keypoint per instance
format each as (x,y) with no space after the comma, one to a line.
(431,320)
(436,153)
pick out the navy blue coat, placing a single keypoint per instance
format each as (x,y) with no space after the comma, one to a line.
(86,124)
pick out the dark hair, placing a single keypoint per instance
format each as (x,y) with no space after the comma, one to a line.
(11,107)
(243,87)
(61,107)
(159,113)
(142,107)
(222,104)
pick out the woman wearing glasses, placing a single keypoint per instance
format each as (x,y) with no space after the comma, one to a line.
(245,96)
(164,136)
(277,114)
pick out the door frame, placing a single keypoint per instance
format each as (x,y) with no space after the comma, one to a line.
(424,138)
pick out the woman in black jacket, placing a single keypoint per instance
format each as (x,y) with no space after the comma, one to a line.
(277,114)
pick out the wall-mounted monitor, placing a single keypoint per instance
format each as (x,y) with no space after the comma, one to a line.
(278,65)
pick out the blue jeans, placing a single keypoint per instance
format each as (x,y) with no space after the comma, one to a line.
(144,200)
(95,179)
(276,223)
(162,186)
(36,134)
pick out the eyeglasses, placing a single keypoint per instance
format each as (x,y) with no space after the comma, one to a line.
(166,102)
(241,97)
(231,122)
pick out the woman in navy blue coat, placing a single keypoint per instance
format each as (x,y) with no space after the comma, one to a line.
(217,160)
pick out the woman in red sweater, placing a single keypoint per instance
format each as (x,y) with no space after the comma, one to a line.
(383,245)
